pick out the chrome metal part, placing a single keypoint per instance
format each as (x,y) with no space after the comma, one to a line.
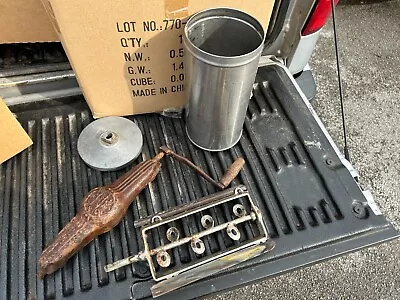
(124,262)
(163,259)
(208,269)
(233,232)
(251,217)
(173,234)
(241,251)
(110,143)
(239,210)
(207,221)
(176,215)
(196,204)
(216,108)
(155,219)
(197,246)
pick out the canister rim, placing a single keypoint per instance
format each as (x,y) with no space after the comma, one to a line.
(220,60)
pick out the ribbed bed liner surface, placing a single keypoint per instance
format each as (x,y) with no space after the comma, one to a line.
(312,206)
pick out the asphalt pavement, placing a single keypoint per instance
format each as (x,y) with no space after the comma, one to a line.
(369,37)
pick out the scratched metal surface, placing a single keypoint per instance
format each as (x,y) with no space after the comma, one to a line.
(307,204)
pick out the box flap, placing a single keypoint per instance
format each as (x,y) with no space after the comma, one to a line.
(25,21)
(13,138)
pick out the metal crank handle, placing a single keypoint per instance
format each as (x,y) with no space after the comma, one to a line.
(124,262)
(226,179)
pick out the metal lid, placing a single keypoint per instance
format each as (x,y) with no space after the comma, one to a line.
(110,143)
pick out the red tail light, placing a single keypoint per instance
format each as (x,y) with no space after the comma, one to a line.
(320,14)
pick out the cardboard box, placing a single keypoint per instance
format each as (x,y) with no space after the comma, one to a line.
(25,21)
(13,138)
(128,54)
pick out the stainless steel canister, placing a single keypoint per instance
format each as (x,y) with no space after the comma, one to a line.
(222,50)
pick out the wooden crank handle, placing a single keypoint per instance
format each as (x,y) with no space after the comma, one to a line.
(232,172)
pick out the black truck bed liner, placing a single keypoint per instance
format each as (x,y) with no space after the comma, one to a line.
(313,207)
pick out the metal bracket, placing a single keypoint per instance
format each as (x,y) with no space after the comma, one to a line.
(245,247)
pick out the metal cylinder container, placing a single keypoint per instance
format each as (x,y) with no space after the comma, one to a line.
(222,50)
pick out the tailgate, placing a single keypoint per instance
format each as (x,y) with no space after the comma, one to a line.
(312,205)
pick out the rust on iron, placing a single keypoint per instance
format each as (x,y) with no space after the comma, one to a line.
(104,207)
(176,276)
(226,179)
(163,259)
(100,210)
(173,234)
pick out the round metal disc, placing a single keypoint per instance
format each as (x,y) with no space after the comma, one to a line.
(172,234)
(239,210)
(163,259)
(233,232)
(110,143)
(207,221)
(197,246)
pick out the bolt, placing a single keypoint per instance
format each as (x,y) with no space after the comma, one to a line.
(329,162)
(357,208)
(360,210)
